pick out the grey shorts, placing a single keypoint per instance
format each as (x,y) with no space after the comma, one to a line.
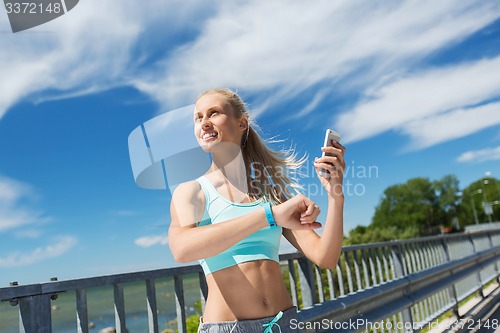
(287,323)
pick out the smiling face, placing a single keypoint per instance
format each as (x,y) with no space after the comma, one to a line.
(215,121)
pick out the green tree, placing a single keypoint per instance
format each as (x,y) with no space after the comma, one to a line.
(371,234)
(420,207)
(473,197)
(448,194)
(413,205)
(193,321)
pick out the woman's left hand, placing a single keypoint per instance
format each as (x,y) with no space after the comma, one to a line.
(335,164)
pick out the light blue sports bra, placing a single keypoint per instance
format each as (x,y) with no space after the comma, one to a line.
(263,244)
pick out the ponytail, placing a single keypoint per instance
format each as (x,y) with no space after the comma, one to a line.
(271,172)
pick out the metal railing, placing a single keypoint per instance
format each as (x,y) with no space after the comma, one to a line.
(398,282)
(409,282)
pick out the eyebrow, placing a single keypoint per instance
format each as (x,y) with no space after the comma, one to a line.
(217,108)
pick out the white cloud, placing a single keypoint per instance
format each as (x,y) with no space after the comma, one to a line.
(487,154)
(289,48)
(61,246)
(95,46)
(12,213)
(451,125)
(28,233)
(12,218)
(11,191)
(420,100)
(148,241)
(311,106)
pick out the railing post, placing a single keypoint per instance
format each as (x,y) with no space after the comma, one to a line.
(307,283)
(348,272)
(152,306)
(496,262)
(357,271)
(35,315)
(397,259)
(364,265)
(340,279)
(331,285)
(120,318)
(203,289)
(385,262)
(319,283)
(293,283)
(453,288)
(478,274)
(376,254)
(180,304)
(82,317)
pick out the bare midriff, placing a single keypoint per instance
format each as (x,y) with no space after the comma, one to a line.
(249,290)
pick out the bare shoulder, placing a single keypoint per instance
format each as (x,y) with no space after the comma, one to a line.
(188,192)
(189,199)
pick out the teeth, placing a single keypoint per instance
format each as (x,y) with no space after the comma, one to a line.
(207,135)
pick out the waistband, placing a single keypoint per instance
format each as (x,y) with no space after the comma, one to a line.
(281,322)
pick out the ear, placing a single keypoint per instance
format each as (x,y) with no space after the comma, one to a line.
(243,123)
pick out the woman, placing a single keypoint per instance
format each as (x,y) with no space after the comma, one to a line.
(225,220)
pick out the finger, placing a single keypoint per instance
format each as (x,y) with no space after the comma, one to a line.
(317,168)
(321,171)
(312,217)
(327,159)
(316,212)
(307,219)
(326,166)
(342,160)
(309,210)
(338,145)
(332,150)
(330,153)
(334,171)
(337,163)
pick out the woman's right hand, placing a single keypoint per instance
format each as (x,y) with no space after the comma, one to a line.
(297,213)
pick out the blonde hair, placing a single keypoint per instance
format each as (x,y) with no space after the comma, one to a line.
(270,174)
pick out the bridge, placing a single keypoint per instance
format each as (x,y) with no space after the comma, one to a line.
(445,283)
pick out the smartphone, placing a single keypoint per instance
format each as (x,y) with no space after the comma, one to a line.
(330,136)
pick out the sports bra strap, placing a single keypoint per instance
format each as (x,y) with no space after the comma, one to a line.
(214,203)
(208,188)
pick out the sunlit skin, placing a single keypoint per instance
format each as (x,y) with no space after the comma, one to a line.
(253,289)
(213,114)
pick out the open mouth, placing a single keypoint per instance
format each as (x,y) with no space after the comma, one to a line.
(209,136)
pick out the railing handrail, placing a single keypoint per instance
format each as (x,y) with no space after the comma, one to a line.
(417,239)
(7,293)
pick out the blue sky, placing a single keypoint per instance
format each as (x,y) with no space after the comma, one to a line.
(413,86)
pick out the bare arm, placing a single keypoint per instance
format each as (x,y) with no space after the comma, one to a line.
(189,242)
(325,250)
